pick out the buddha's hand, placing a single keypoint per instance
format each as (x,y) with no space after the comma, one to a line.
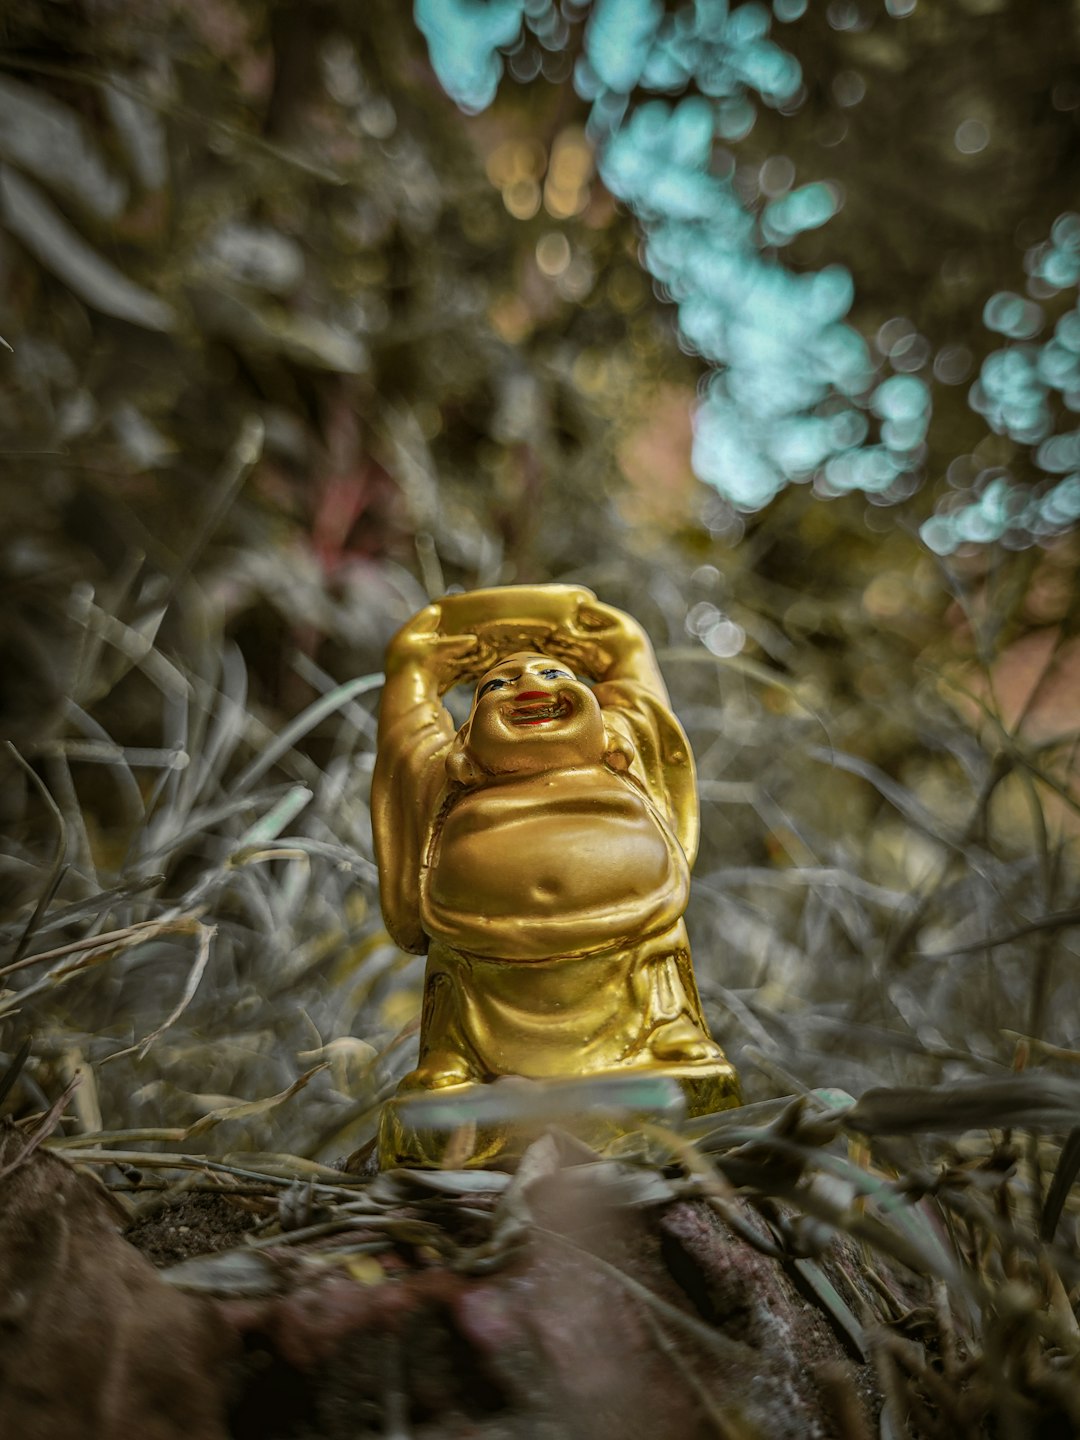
(421,646)
(597,638)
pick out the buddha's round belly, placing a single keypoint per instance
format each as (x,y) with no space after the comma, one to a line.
(543,884)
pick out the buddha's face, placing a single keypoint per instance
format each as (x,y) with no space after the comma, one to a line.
(531,714)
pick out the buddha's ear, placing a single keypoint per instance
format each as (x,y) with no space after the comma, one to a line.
(619,752)
(460,765)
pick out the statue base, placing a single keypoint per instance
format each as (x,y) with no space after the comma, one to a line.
(489,1126)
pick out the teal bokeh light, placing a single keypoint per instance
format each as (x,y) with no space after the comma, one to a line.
(800,210)
(794,394)
(1023,391)
(621,37)
(464,39)
(788,392)
(1012,315)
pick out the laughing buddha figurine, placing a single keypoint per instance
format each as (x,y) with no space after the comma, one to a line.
(540,854)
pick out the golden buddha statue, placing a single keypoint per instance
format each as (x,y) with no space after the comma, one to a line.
(541,854)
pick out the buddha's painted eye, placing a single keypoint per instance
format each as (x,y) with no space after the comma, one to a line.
(491,685)
(555,674)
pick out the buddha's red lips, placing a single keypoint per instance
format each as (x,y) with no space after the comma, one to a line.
(543,709)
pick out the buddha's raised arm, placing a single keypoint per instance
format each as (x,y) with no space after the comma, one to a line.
(614,651)
(608,645)
(415,733)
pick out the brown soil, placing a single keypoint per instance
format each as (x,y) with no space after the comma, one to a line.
(193,1224)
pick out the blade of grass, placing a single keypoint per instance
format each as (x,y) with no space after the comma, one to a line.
(56,868)
(206,935)
(300,725)
(1068,1167)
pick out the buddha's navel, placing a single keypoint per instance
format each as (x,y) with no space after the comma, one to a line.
(547,849)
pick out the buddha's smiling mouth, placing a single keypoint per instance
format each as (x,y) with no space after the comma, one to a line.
(539,711)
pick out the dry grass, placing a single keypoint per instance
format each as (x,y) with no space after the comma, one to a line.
(197,942)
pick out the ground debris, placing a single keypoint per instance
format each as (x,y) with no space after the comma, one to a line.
(92,1344)
(581,1297)
(193,1224)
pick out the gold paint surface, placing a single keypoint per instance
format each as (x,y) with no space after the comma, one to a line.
(540,855)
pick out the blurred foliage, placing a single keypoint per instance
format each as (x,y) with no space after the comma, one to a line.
(794,389)
(296,345)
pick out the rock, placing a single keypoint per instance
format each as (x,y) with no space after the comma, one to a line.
(93,1345)
(580,1298)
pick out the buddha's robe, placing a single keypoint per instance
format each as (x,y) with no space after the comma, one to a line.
(550,904)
